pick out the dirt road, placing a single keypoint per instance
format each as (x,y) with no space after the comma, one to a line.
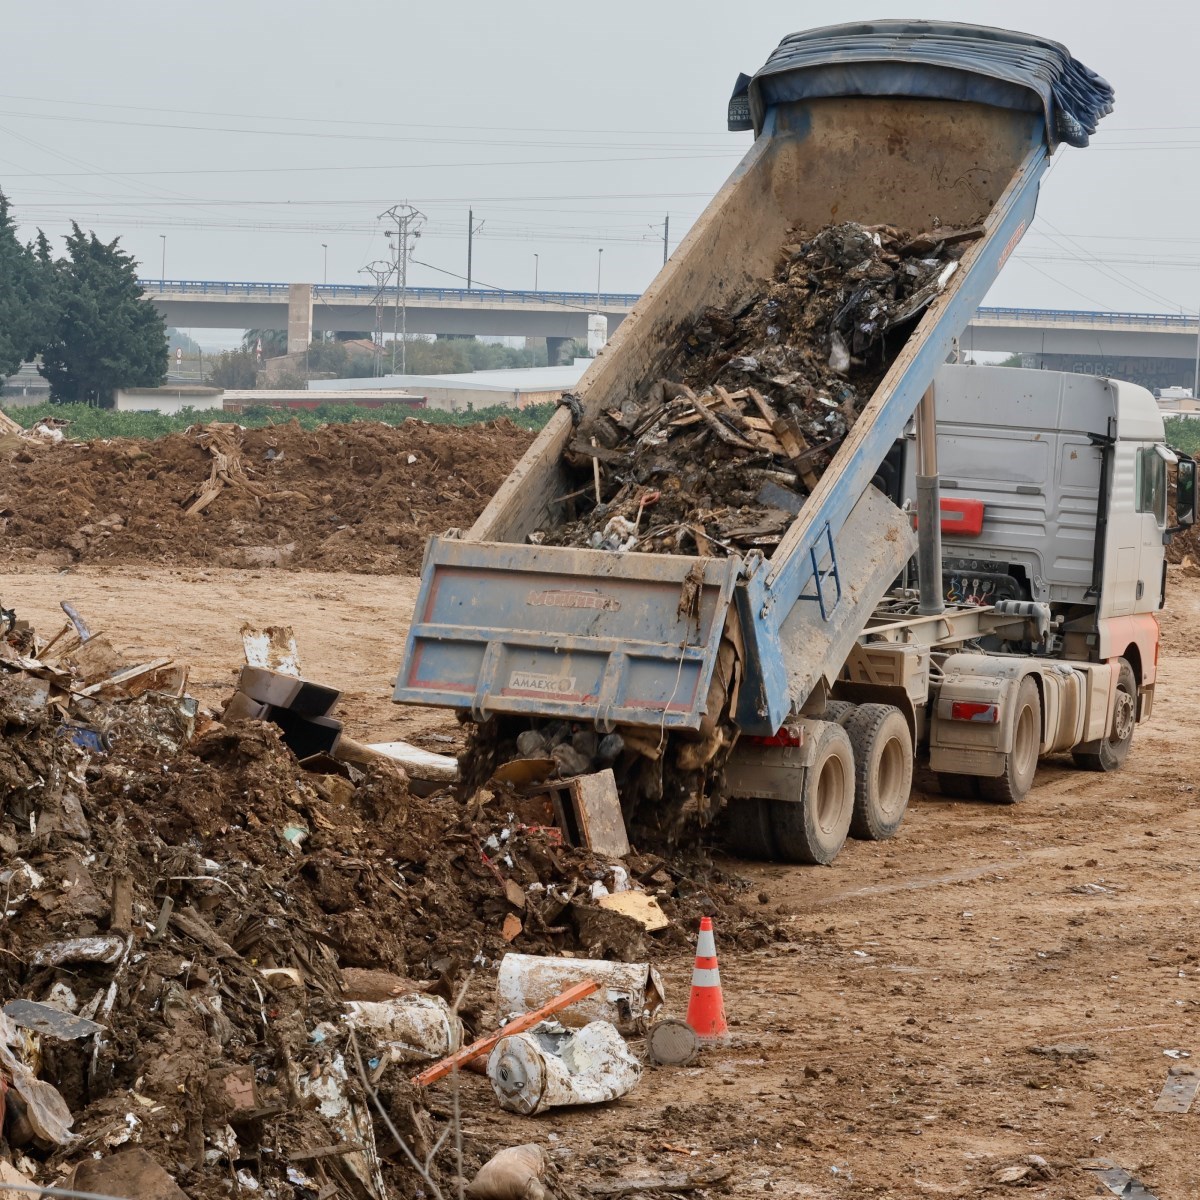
(991,985)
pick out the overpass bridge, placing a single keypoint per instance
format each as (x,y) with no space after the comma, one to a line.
(1151,348)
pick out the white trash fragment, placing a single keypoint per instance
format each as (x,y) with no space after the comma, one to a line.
(106,949)
(627,992)
(839,354)
(411,1029)
(549,1067)
(512,1174)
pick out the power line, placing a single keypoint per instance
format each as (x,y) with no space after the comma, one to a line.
(533,162)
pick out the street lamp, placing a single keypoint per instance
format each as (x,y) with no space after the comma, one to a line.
(325,276)
(162,279)
(599,263)
(535,270)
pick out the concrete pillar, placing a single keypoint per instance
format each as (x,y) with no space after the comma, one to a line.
(554,350)
(300,317)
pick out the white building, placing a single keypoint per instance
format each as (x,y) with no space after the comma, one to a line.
(518,387)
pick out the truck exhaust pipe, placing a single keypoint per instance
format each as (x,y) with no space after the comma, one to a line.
(929,517)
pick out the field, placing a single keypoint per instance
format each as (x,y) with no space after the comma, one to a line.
(992,985)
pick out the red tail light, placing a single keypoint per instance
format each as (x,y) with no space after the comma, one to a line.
(971,710)
(785,737)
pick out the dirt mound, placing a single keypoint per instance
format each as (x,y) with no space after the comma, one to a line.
(225,895)
(355,497)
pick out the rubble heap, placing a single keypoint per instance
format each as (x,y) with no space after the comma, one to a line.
(187,912)
(361,496)
(718,456)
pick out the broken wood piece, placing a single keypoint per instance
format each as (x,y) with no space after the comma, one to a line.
(639,906)
(598,809)
(729,436)
(325,1151)
(191,924)
(794,444)
(485,1045)
(120,909)
(116,681)
(927,242)
(420,764)
(512,928)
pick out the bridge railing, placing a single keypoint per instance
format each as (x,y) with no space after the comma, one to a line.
(1065,316)
(332,292)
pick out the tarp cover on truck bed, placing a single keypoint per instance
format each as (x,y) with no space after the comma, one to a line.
(941,60)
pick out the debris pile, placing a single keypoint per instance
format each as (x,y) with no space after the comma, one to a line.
(352,497)
(719,456)
(202,938)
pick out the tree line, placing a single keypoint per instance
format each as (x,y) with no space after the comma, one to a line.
(83,315)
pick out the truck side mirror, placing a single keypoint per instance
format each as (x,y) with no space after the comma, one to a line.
(1185,495)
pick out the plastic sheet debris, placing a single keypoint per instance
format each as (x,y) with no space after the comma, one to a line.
(1118,1180)
(49,1021)
(46,1120)
(550,1067)
(516,1173)
(1179,1091)
(628,992)
(420,764)
(409,1029)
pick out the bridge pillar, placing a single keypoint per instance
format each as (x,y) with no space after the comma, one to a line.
(554,350)
(300,317)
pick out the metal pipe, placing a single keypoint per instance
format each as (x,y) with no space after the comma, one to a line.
(929,516)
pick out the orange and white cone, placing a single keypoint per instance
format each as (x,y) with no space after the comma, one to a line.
(706,1008)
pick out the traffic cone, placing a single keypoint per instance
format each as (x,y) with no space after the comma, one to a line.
(706,1008)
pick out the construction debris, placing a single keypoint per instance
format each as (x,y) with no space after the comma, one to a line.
(627,993)
(202,936)
(718,456)
(551,1066)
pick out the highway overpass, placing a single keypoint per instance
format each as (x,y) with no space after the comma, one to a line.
(1151,348)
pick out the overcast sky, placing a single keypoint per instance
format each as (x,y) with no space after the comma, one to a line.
(250,133)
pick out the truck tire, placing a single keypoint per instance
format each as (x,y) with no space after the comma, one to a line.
(813,828)
(883,770)
(1113,749)
(838,710)
(961,787)
(1020,763)
(748,829)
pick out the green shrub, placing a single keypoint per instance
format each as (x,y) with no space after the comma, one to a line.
(87,422)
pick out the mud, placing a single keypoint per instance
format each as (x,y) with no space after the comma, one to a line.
(354,497)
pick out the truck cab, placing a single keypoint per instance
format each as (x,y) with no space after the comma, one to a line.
(1054,490)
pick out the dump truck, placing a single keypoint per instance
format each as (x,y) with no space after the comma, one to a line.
(984,620)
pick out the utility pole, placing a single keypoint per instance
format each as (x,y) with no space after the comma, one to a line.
(381,271)
(162,278)
(1196,379)
(599,264)
(535,270)
(666,236)
(408,226)
(472,230)
(325,276)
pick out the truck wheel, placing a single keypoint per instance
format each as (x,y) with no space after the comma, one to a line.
(838,710)
(813,828)
(1020,763)
(964,787)
(883,769)
(1114,748)
(748,829)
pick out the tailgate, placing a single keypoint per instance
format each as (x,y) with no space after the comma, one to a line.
(553,631)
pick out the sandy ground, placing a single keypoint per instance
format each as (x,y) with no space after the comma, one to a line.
(901,1042)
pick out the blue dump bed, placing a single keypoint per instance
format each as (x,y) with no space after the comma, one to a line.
(909,124)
